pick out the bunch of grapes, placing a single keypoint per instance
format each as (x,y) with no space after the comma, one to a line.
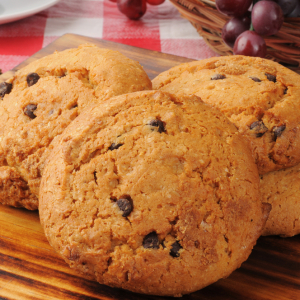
(244,31)
(135,9)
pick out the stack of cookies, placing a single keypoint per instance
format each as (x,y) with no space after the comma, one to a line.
(154,191)
(43,99)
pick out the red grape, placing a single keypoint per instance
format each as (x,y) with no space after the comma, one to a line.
(155,2)
(249,43)
(235,8)
(133,9)
(267,17)
(287,6)
(233,28)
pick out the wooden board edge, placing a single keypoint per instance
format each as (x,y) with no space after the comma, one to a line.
(74,40)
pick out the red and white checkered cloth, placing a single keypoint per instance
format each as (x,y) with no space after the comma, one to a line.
(161,29)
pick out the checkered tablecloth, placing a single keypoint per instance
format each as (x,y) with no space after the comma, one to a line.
(161,29)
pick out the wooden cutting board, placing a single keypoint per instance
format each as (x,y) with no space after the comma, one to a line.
(30,269)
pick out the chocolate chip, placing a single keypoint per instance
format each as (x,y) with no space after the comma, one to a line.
(255,79)
(157,123)
(271,77)
(32,78)
(125,205)
(29,109)
(0,71)
(5,88)
(175,249)
(114,146)
(285,91)
(259,128)
(151,241)
(95,177)
(218,77)
(74,106)
(277,131)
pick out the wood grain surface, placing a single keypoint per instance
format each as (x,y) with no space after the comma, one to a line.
(30,269)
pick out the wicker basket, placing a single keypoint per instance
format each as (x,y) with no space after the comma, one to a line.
(284,47)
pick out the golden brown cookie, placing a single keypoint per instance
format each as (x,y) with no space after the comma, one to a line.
(261,97)
(152,193)
(281,189)
(41,101)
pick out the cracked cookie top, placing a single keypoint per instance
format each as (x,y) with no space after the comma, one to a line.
(153,193)
(40,101)
(261,97)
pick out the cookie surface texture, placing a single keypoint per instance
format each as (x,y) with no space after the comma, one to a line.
(40,102)
(152,193)
(281,190)
(261,97)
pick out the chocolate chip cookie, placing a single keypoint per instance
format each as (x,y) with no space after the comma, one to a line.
(261,97)
(153,193)
(281,190)
(41,101)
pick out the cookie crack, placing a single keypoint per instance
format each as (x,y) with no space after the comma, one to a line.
(294,223)
(227,250)
(95,217)
(270,156)
(84,76)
